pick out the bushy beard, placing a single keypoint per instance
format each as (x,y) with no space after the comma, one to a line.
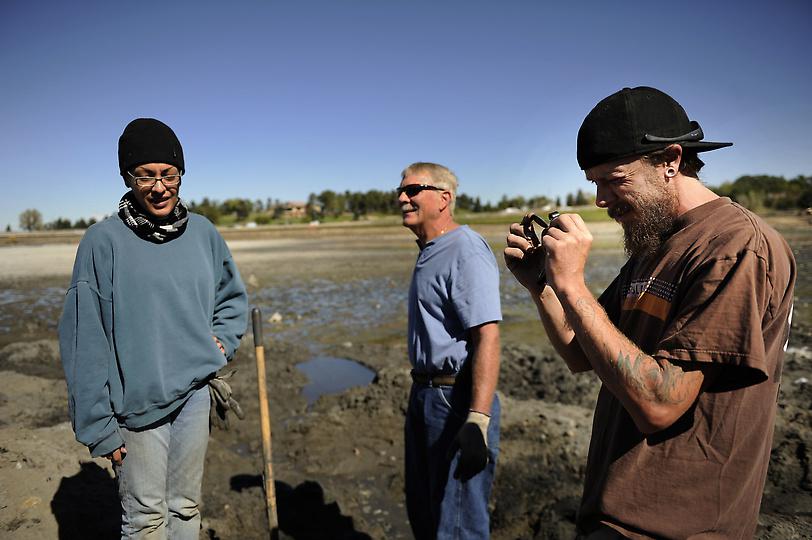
(656,213)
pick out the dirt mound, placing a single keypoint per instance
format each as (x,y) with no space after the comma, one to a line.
(529,374)
(39,358)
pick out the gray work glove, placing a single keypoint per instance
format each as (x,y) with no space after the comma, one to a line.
(472,442)
(222,401)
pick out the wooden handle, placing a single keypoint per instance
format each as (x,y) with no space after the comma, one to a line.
(265,424)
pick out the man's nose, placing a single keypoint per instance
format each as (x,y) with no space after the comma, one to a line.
(403,198)
(603,196)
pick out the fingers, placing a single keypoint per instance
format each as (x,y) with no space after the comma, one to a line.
(117,457)
(517,246)
(569,223)
(513,256)
(473,455)
(568,226)
(516,238)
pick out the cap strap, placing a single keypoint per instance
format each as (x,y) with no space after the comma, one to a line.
(695,135)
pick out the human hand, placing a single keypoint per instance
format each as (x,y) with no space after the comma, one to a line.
(219,345)
(524,260)
(566,244)
(117,457)
(472,443)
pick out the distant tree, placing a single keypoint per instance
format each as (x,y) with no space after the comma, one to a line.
(464,202)
(58,224)
(80,224)
(208,209)
(570,199)
(8,228)
(758,192)
(558,202)
(240,208)
(332,203)
(580,198)
(31,220)
(804,191)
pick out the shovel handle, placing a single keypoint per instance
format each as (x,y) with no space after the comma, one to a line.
(265,425)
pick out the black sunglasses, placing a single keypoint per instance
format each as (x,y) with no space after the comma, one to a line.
(413,189)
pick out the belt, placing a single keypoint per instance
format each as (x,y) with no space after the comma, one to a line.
(447,379)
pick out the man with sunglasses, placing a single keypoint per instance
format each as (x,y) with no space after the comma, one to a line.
(687,341)
(155,307)
(452,421)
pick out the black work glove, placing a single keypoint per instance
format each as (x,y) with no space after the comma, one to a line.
(472,443)
(222,401)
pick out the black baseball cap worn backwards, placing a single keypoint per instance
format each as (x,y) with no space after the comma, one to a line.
(634,122)
(147,140)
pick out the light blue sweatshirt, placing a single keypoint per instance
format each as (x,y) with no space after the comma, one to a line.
(136,333)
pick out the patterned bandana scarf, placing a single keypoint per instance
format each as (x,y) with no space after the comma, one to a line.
(148,227)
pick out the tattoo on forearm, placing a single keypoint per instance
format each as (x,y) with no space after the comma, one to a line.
(656,379)
(587,311)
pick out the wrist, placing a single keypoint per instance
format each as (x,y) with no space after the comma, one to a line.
(571,292)
(480,419)
(543,294)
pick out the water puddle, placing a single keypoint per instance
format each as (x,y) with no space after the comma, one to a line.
(330,375)
(41,305)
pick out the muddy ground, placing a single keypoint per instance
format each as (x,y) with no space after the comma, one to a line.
(338,462)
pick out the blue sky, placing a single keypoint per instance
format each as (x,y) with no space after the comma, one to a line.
(281,98)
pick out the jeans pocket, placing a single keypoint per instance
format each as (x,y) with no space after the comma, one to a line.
(447,399)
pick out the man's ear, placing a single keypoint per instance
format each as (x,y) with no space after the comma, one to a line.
(673,156)
(447,198)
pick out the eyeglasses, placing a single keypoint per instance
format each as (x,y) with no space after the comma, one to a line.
(413,189)
(170,180)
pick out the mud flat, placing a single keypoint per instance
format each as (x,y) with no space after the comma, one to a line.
(338,461)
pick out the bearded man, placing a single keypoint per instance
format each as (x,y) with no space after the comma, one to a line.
(688,339)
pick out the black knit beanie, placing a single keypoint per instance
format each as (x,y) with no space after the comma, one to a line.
(146,140)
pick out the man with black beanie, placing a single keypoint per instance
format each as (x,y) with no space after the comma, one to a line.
(688,339)
(155,307)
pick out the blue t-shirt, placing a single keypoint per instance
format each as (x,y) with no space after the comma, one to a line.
(455,287)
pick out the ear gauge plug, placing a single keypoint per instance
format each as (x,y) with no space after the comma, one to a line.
(670,172)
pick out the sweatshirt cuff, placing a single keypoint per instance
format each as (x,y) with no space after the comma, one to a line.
(108,445)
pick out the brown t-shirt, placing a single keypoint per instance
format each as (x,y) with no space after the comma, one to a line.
(719,291)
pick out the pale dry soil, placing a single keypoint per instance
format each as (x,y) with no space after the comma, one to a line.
(340,291)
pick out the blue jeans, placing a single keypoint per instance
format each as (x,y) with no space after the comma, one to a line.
(160,479)
(439,505)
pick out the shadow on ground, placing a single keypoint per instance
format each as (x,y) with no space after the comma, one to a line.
(302,511)
(86,505)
